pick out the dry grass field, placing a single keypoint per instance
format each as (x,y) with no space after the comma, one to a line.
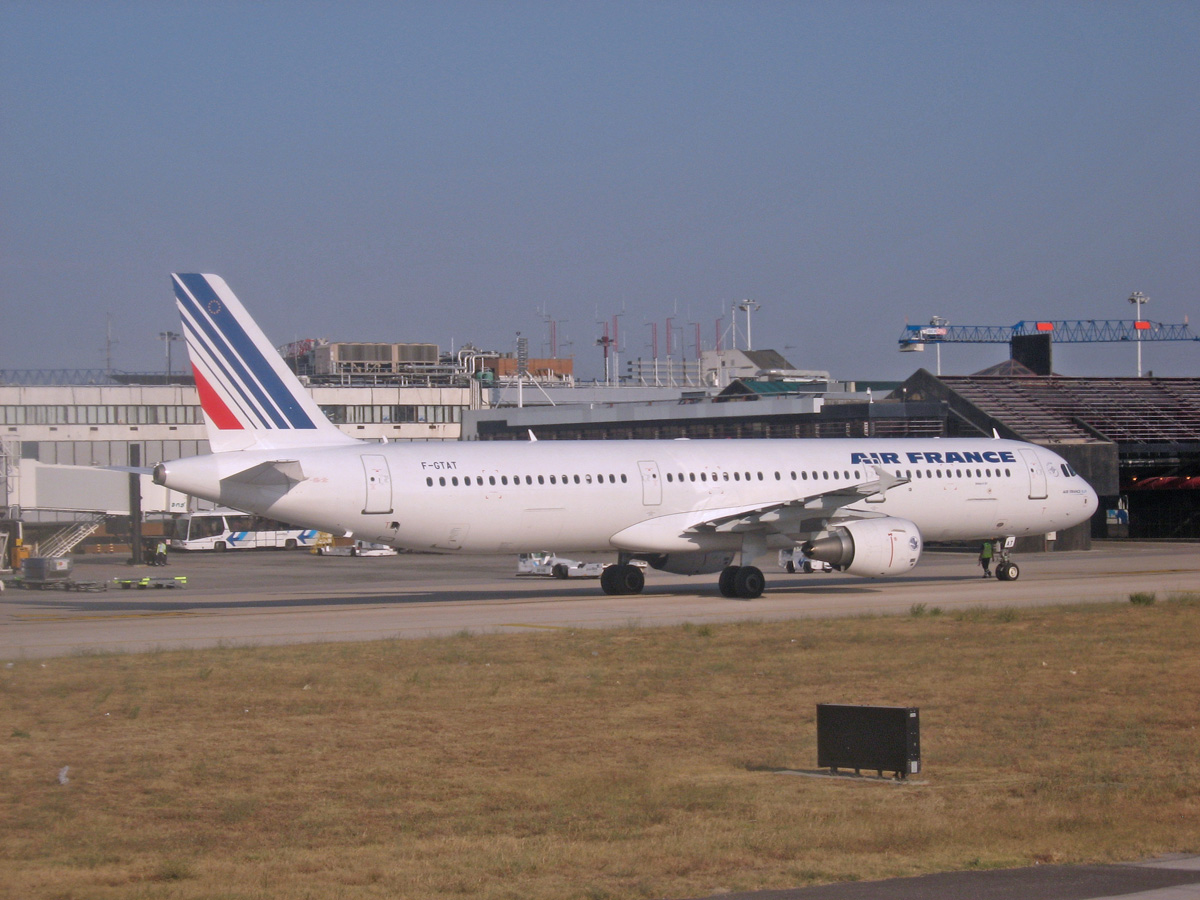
(597,764)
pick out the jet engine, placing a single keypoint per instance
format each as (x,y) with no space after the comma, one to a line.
(869,547)
(689,563)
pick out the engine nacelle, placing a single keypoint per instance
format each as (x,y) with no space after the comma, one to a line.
(689,563)
(869,547)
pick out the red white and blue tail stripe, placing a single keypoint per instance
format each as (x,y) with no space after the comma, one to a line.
(250,397)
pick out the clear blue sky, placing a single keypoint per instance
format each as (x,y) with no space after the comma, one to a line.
(444,171)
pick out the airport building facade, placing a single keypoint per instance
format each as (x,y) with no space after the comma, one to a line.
(1137,441)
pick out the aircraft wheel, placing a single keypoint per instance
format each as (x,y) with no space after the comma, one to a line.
(631,580)
(749,583)
(1008,572)
(608,580)
(559,571)
(725,584)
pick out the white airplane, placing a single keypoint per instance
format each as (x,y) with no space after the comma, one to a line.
(684,506)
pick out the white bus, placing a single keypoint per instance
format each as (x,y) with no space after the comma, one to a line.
(228,529)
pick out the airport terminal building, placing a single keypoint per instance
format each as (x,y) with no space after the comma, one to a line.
(1137,440)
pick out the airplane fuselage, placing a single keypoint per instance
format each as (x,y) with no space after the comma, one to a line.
(687,507)
(639,496)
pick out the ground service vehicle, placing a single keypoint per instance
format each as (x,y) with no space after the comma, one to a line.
(228,529)
(545,563)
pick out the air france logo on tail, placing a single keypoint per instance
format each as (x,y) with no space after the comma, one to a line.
(238,385)
(250,398)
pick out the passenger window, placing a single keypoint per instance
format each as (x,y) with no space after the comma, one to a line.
(442,481)
(541,480)
(454,481)
(588,478)
(737,476)
(529,479)
(778,477)
(623,479)
(577,479)
(429,482)
(691,476)
(504,479)
(835,475)
(704,476)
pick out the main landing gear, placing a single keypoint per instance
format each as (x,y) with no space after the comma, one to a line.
(742,582)
(622,578)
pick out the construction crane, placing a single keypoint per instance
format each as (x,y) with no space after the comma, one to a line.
(1061,331)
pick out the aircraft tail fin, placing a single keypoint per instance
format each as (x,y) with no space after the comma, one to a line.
(251,399)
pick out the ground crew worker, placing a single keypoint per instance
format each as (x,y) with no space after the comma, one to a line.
(985,559)
(160,553)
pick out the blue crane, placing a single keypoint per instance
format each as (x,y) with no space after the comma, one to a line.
(1061,331)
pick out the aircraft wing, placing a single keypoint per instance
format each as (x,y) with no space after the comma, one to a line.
(784,517)
(794,518)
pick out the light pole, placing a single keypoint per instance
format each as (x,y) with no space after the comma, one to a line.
(937,326)
(1137,299)
(168,338)
(747,306)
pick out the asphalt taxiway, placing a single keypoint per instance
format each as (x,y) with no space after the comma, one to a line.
(276,597)
(1172,878)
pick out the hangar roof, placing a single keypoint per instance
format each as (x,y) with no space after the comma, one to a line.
(1056,408)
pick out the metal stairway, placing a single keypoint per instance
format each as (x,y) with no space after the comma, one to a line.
(64,541)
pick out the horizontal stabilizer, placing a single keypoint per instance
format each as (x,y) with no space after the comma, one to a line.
(276,473)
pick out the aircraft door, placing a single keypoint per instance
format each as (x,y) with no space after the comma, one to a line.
(379,484)
(1037,475)
(651,483)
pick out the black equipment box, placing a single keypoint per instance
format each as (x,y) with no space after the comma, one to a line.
(884,738)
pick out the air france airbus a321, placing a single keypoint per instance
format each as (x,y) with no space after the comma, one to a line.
(686,506)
